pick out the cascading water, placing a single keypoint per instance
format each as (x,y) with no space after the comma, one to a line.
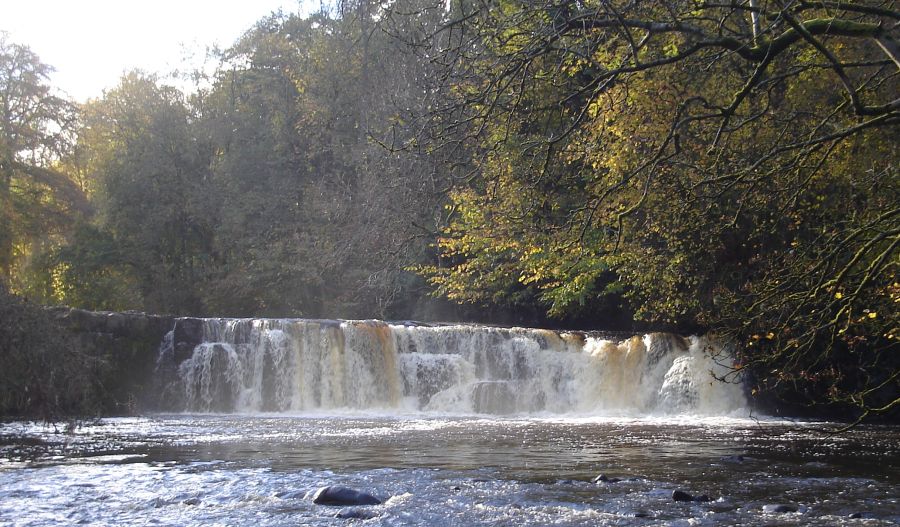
(273,365)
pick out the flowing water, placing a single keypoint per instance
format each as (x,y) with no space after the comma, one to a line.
(449,425)
(248,365)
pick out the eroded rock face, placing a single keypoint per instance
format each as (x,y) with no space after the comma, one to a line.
(187,334)
(130,324)
(128,343)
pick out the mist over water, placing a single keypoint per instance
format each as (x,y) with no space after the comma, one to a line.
(271,365)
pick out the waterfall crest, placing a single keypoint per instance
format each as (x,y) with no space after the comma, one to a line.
(291,365)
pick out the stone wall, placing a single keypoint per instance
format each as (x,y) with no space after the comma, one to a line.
(129,345)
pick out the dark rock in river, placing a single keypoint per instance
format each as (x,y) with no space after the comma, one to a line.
(779,508)
(733,459)
(680,495)
(355,514)
(603,478)
(343,496)
(191,501)
(855,516)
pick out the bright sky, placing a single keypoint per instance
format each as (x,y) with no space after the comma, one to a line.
(91,43)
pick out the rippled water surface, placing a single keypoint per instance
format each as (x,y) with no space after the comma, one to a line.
(260,470)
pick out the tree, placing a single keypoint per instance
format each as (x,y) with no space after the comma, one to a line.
(270,192)
(151,176)
(260,170)
(35,130)
(734,164)
(317,216)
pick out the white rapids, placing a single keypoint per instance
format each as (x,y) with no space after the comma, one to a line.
(292,365)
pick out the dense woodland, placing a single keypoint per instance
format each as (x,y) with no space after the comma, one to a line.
(707,166)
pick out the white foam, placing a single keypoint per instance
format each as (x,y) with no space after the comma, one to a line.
(301,366)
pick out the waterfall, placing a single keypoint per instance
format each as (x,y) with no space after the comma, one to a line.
(291,365)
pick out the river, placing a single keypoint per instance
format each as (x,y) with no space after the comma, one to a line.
(446,470)
(447,426)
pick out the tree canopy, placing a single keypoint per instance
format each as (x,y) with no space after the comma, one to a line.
(728,167)
(36,127)
(731,165)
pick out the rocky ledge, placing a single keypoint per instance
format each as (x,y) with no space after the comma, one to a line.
(128,343)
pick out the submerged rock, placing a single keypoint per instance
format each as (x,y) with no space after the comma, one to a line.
(733,459)
(292,494)
(355,514)
(603,478)
(779,508)
(680,495)
(343,496)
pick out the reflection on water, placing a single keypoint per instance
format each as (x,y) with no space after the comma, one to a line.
(238,470)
